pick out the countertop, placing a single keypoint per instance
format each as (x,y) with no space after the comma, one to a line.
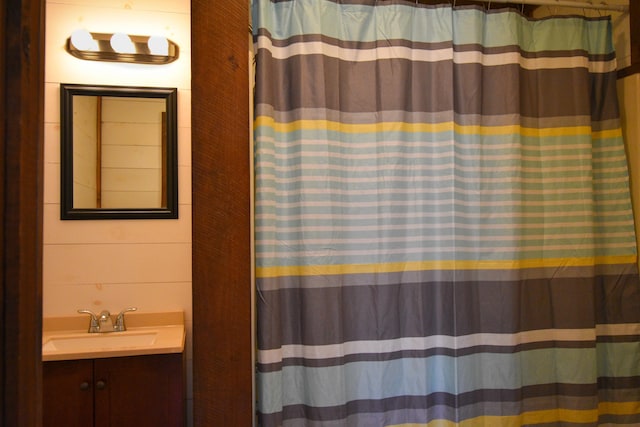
(147,333)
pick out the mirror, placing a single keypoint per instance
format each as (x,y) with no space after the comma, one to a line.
(118,152)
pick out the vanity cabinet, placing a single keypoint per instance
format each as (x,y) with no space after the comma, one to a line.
(115,392)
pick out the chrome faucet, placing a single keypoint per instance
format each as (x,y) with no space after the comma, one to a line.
(103,323)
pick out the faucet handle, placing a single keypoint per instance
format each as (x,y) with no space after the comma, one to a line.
(120,325)
(93,322)
(89,312)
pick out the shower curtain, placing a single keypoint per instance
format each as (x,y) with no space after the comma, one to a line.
(444,232)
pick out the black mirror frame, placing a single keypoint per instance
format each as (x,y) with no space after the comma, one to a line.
(67,211)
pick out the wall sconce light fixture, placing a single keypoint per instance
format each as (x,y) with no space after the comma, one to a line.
(121,47)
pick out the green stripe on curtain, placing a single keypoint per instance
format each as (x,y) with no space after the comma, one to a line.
(444,232)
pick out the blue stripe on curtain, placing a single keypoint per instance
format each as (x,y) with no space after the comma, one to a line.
(444,232)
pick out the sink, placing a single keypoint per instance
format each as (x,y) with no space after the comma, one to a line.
(66,338)
(97,342)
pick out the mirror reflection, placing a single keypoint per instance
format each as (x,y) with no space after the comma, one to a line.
(118,152)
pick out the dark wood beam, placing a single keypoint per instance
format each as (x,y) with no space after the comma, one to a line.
(21,157)
(634,23)
(222,344)
(634,68)
(3,180)
(634,42)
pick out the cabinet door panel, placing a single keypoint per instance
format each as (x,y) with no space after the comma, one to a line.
(67,388)
(139,391)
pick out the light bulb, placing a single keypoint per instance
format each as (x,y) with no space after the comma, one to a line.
(121,43)
(82,40)
(158,45)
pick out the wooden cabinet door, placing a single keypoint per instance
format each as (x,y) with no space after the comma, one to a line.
(67,388)
(139,391)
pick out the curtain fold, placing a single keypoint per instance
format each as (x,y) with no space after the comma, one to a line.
(444,231)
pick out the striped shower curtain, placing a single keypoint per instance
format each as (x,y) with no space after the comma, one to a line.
(444,233)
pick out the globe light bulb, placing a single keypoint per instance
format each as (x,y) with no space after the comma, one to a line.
(121,43)
(158,45)
(82,40)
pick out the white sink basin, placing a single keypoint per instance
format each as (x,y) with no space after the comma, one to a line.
(97,342)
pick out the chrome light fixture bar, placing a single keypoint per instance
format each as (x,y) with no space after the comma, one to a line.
(120,47)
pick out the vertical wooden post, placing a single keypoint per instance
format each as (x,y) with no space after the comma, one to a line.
(222,343)
(21,157)
(634,40)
